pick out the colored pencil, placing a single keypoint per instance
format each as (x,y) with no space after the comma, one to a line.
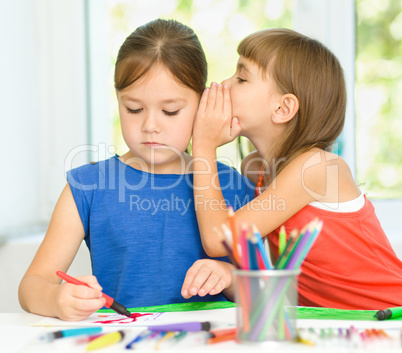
(245,260)
(265,254)
(262,305)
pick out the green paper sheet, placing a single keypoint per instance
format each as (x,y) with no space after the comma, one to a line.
(303,312)
(179,307)
(313,313)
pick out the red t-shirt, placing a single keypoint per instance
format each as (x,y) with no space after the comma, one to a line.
(351,264)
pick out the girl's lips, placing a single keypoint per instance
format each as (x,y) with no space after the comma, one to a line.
(153,144)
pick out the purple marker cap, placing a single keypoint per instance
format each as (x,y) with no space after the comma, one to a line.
(184,326)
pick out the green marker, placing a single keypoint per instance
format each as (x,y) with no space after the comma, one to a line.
(389,313)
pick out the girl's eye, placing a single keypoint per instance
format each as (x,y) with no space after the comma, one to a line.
(240,79)
(171,113)
(134,111)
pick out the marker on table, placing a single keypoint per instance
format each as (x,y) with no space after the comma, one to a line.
(105,340)
(184,326)
(222,335)
(51,336)
(110,302)
(389,313)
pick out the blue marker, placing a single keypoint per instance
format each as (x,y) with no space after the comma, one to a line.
(51,336)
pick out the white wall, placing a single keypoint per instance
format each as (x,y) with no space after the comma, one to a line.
(19,131)
(49,95)
(44,116)
(15,257)
(42,107)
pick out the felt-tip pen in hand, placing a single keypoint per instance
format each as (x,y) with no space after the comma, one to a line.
(110,302)
(389,313)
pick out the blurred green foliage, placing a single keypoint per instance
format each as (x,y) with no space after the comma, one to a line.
(378,97)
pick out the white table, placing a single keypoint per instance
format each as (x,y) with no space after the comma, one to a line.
(18,335)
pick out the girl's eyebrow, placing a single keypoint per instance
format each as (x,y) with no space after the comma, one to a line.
(241,66)
(174,100)
(167,100)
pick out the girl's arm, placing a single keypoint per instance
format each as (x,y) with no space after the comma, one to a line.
(40,291)
(214,126)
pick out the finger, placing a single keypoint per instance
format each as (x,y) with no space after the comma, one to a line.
(199,280)
(227,101)
(188,280)
(209,284)
(91,281)
(219,287)
(219,98)
(202,106)
(212,96)
(84,292)
(87,305)
(73,309)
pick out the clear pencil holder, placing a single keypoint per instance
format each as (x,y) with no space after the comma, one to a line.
(266,305)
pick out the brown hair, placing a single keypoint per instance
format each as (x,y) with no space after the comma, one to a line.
(306,68)
(168,42)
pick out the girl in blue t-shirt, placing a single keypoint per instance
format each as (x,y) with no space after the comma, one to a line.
(136,212)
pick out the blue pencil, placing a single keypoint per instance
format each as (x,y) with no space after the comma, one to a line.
(252,253)
(265,254)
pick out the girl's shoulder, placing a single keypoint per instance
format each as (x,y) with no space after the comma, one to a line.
(319,161)
(325,175)
(90,174)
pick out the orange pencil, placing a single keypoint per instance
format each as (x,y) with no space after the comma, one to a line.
(232,223)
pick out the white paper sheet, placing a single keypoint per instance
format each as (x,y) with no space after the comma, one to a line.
(219,318)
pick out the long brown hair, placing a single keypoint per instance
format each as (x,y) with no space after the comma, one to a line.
(306,68)
(168,42)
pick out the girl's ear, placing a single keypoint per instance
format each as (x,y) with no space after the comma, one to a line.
(287,109)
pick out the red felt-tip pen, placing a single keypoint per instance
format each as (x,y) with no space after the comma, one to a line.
(110,302)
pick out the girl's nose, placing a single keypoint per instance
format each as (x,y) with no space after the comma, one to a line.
(150,124)
(226,82)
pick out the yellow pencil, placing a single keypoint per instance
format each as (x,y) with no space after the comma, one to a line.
(165,337)
(105,340)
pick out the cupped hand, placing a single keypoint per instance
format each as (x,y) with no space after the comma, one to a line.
(214,125)
(207,276)
(76,302)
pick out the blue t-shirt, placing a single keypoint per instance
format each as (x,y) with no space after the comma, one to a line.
(141,228)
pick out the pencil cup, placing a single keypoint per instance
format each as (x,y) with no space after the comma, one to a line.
(266,305)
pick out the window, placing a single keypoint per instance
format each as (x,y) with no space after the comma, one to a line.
(378,97)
